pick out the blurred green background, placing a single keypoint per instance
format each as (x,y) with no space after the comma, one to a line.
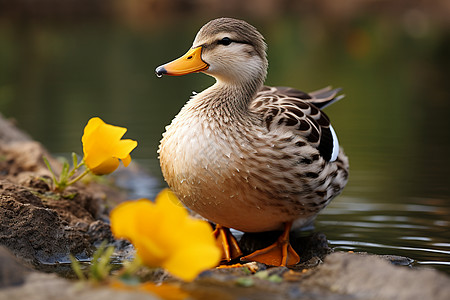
(62,62)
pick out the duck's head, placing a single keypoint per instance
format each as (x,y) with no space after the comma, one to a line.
(230,50)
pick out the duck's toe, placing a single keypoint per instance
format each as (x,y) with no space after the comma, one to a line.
(279,253)
(227,242)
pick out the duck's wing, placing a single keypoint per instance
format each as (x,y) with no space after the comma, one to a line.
(299,112)
(320,98)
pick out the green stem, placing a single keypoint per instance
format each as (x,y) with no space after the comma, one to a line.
(76,267)
(131,267)
(75,168)
(47,163)
(78,178)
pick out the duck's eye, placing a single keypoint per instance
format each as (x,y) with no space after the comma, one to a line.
(225,41)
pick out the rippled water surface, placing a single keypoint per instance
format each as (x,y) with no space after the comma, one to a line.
(418,229)
(393,122)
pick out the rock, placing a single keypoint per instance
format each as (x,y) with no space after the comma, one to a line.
(12,272)
(41,286)
(342,276)
(372,277)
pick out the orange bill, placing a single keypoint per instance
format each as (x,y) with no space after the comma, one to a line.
(191,62)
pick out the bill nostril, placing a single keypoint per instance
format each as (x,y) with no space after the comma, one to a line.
(160,71)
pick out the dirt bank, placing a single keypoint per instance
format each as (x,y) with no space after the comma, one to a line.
(40,226)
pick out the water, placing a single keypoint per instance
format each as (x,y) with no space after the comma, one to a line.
(393,123)
(418,229)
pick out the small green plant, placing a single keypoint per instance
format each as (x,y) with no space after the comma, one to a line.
(245,281)
(265,275)
(64,179)
(100,268)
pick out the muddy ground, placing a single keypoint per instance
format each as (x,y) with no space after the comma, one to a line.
(40,228)
(36,224)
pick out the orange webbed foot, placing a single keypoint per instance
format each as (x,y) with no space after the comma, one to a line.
(279,253)
(227,242)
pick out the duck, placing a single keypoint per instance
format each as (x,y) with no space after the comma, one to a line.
(248,156)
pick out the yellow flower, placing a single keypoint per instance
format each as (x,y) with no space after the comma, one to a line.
(103,146)
(165,235)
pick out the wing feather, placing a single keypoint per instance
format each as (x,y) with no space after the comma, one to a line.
(300,112)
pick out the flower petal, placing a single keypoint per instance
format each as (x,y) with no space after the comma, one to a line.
(123,218)
(166,223)
(125,223)
(102,142)
(105,167)
(128,217)
(91,126)
(196,247)
(191,261)
(102,146)
(126,161)
(123,148)
(165,290)
(150,252)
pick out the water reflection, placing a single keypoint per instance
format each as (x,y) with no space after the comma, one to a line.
(393,123)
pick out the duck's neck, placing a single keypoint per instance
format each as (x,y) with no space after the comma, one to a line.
(226,100)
